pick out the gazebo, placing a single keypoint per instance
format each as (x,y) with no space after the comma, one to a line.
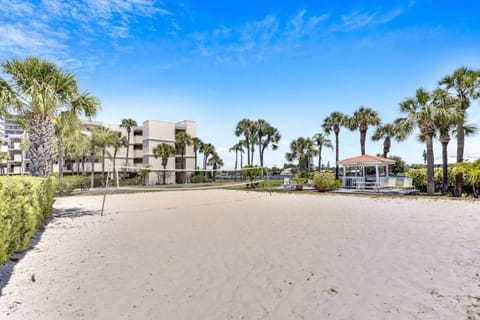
(356,172)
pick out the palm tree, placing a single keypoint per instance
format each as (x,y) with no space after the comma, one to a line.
(207,149)
(238,147)
(465,85)
(79,148)
(266,135)
(102,138)
(182,140)
(196,144)
(246,128)
(361,119)
(321,140)
(302,149)
(445,122)
(421,112)
(216,162)
(164,151)
(333,123)
(387,132)
(128,124)
(117,141)
(41,90)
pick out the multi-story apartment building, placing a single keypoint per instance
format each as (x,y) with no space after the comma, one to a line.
(12,137)
(143,139)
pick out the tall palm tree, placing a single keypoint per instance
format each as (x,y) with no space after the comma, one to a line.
(41,91)
(445,121)
(216,162)
(361,119)
(246,128)
(464,83)
(266,135)
(207,149)
(196,144)
(182,140)
(237,148)
(102,138)
(117,141)
(387,132)
(421,112)
(303,150)
(334,122)
(66,124)
(164,151)
(79,144)
(321,140)
(128,124)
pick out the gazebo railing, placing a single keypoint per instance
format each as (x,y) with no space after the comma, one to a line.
(350,182)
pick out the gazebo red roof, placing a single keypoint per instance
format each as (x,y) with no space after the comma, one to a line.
(366,159)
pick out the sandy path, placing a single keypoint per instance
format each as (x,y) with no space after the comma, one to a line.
(244,255)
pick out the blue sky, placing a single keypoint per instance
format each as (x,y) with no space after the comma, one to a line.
(216,62)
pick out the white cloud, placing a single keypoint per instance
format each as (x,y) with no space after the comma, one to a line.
(48,28)
(356,20)
(253,40)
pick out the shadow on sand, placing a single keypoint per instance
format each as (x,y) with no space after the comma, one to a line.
(6,270)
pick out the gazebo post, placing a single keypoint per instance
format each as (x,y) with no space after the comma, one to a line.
(376,174)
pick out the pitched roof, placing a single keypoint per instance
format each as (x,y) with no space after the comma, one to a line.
(366,159)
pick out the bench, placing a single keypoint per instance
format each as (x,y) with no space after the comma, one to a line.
(83,187)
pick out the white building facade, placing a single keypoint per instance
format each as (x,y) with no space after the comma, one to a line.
(143,139)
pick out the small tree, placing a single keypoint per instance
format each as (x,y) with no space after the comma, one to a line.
(144,172)
(164,151)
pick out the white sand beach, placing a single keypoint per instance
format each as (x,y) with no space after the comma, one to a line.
(222,254)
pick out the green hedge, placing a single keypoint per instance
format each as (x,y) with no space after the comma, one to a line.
(25,202)
(419,177)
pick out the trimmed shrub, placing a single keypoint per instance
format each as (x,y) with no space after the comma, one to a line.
(325,179)
(198,178)
(419,177)
(25,202)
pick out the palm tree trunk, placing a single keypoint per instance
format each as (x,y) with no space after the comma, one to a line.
(41,144)
(164,173)
(430,172)
(260,154)
(83,165)
(247,142)
(236,161)
(251,154)
(320,158)
(460,148)
(363,135)
(386,147)
(336,155)
(241,159)
(444,167)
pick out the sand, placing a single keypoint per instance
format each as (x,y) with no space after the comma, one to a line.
(222,254)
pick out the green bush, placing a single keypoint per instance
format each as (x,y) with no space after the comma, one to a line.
(252,172)
(25,202)
(419,177)
(325,179)
(198,178)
